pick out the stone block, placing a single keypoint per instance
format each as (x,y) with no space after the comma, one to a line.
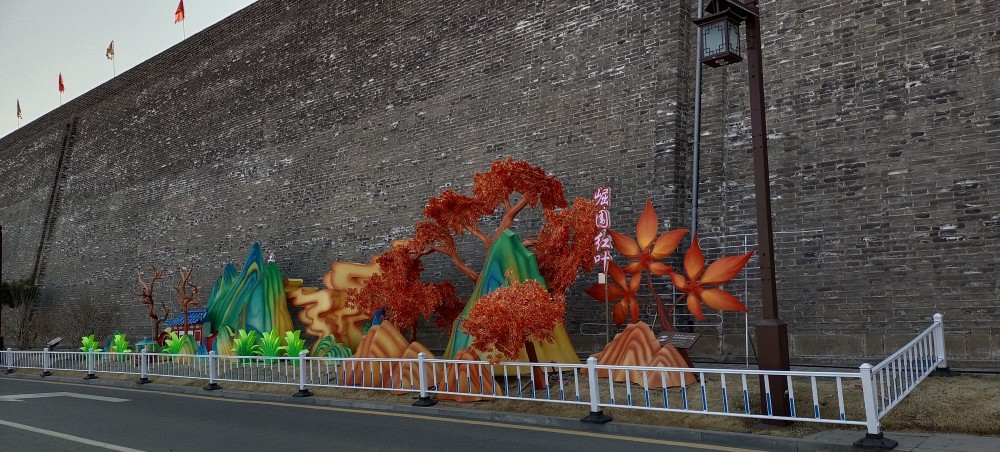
(980,347)
(824,345)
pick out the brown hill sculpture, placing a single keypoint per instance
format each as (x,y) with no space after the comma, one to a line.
(637,346)
(407,376)
(385,341)
(382,341)
(465,378)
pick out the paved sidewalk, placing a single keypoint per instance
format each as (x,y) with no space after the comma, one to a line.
(909,441)
(831,440)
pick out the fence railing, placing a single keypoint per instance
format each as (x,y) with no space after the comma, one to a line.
(886,383)
(858,398)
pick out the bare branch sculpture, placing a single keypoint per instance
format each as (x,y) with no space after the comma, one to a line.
(146,295)
(187,293)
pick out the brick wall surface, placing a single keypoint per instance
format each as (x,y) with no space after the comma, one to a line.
(321,128)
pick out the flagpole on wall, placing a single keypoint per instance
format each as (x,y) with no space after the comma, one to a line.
(110,54)
(179,17)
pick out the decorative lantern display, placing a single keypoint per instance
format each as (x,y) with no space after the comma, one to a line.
(720,32)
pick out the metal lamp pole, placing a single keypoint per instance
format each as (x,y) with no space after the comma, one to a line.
(772,332)
(1,280)
(719,33)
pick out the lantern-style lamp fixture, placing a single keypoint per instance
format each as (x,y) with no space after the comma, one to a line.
(720,32)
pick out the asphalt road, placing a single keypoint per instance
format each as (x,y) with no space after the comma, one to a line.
(139,419)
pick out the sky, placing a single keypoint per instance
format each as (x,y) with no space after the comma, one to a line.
(41,38)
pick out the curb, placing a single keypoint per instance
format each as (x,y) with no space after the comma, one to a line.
(730,439)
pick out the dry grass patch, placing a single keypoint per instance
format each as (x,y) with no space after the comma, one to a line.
(966,404)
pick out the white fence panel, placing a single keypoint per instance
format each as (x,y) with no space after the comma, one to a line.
(858,398)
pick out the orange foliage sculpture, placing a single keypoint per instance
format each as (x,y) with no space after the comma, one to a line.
(637,345)
(647,253)
(500,335)
(562,245)
(398,290)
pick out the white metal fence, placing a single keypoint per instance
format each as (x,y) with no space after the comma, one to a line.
(859,398)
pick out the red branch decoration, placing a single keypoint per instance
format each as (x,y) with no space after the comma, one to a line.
(495,187)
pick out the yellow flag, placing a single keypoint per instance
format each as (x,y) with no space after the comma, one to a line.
(111,51)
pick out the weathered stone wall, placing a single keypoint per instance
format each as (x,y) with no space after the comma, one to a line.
(321,128)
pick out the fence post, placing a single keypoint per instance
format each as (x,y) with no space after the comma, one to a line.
(212,363)
(46,363)
(303,392)
(425,399)
(873,437)
(942,369)
(596,416)
(143,367)
(90,365)
(10,361)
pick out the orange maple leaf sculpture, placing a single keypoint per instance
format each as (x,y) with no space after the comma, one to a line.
(646,251)
(720,272)
(643,249)
(622,290)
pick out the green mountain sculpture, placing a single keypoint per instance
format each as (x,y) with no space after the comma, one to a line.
(508,254)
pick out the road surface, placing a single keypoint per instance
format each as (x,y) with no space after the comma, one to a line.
(56,416)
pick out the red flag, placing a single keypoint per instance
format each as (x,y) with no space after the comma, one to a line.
(61,87)
(179,14)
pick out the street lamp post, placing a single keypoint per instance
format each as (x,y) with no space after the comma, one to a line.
(1,280)
(720,37)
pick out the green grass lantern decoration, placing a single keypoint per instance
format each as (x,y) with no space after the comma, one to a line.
(121,346)
(89,343)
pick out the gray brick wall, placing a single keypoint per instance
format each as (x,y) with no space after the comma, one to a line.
(883,132)
(321,128)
